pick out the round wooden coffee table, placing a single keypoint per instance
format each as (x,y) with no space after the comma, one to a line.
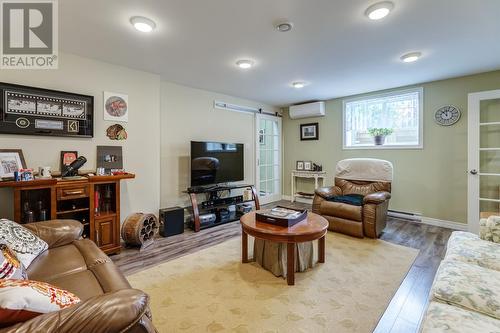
(312,228)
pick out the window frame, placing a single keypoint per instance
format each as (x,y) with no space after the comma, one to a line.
(420,145)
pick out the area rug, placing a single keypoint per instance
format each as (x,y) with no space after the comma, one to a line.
(212,291)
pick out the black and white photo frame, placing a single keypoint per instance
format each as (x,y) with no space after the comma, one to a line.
(309,131)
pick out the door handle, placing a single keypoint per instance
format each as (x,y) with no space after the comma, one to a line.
(473,172)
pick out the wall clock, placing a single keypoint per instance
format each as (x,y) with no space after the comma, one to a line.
(447,115)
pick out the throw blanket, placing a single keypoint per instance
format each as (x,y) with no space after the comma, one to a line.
(350,199)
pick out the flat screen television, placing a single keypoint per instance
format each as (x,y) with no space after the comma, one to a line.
(216,162)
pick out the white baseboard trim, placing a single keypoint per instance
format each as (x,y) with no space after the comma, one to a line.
(413,217)
(444,223)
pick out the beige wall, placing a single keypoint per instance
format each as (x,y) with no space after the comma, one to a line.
(188,114)
(431,181)
(141,150)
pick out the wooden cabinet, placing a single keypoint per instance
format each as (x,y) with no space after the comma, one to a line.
(107,236)
(93,200)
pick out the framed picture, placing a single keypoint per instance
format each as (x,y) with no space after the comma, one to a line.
(67,157)
(36,111)
(299,165)
(308,165)
(309,131)
(11,160)
(109,157)
(115,106)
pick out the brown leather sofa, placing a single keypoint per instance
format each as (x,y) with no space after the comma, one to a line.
(369,219)
(108,302)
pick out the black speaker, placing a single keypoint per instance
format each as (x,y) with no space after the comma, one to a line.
(172,220)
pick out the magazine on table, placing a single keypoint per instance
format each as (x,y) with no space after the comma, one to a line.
(283,213)
(281,216)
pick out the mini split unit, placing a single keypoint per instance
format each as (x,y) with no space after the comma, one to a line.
(316,109)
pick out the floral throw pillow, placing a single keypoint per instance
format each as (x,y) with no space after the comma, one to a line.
(21,300)
(10,266)
(26,245)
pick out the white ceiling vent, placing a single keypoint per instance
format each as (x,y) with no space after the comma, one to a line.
(316,109)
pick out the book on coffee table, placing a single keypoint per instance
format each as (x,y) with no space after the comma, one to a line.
(282,216)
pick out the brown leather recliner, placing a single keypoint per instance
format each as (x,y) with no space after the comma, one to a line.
(108,302)
(370,178)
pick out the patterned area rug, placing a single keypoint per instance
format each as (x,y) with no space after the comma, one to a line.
(212,291)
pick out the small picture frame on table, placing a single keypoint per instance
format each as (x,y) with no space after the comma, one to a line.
(11,160)
(299,165)
(308,166)
(110,158)
(67,157)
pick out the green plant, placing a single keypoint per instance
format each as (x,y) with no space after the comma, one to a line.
(380,131)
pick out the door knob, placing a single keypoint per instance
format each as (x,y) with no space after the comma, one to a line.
(473,172)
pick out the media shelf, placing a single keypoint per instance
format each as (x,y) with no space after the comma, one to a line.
(201,208)
(233,218)
(212,192)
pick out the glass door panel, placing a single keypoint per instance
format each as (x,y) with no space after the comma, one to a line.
(484,157)
(268,157)
(489,155)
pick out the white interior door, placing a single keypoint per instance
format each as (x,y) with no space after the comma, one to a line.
(268,157)
(484,156)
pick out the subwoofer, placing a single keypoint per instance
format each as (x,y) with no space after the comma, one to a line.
(171,221)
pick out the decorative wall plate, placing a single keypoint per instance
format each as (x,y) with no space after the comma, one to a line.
(447,115)
(115,106)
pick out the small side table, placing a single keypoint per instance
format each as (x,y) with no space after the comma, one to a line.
(317,175)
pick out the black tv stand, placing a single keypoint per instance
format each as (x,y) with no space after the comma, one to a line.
(212,191)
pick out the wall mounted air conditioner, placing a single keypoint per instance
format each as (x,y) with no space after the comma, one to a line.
(316,109)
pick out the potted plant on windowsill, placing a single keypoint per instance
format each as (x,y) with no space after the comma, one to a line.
(379,135)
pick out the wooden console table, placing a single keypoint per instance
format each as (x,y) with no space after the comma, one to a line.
(197,226)
(74,199)
(317,175)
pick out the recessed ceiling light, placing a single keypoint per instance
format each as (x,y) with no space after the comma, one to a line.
(379,10)
(284,26)
(143,24)
(298,84)
(244,63)
(411,57)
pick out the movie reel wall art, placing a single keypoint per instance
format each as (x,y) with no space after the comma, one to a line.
(36,111)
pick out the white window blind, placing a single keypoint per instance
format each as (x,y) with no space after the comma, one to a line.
(399,111)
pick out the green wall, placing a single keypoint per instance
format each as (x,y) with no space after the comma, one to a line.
(431,181)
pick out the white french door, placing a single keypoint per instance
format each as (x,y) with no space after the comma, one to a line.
(268,157)
(484,157)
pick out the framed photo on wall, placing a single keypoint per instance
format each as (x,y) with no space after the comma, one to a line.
(299,165)
(308,165)
(36,111)
(309,131)
(11,160)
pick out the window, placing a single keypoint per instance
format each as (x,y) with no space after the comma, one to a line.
(398,111)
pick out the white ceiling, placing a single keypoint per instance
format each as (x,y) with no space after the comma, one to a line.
(333,45)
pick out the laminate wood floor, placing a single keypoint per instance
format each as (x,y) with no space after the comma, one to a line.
(406,307)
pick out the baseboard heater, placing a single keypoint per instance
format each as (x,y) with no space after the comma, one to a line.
(405,215)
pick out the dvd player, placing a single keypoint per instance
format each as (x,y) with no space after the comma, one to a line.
(222,201)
